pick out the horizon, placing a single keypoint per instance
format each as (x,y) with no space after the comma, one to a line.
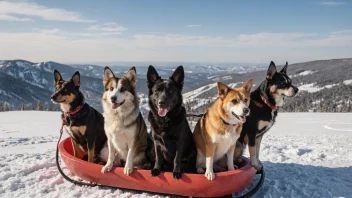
(84,32)
(171,64)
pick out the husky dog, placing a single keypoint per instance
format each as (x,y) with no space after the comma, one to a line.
(265,101)
(217,131)
(83,123)
(174,148)
(124,124)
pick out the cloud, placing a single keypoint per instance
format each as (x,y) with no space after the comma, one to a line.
(191,26)
(343,32)
(108,29)
(11,11)
(50,31)
(5,17)
(331,3)
(89,47)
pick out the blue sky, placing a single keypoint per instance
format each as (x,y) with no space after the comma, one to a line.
(175,31)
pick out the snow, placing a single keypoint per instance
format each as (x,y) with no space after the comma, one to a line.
(210,77)
(304,73)
(193,94)
(347,82)
(23,64)
(304,155)
(312,88)
(226,78)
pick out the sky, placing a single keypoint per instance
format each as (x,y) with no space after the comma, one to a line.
(224,31)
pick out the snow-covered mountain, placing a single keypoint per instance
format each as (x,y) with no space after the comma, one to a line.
(25,82)
(325,85)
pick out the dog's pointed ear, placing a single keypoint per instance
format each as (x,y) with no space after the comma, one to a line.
(131,75)
(107,75)
(76,79)
(271,71)
(284,70)
(248,85)
(57,76)
(152,76)
(222,90)
(178,76)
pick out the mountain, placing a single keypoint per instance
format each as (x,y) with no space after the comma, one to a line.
(325,86)
(25,83)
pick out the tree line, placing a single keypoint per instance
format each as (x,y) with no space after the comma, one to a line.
(39,106)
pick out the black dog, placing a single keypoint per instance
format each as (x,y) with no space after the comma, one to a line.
(263,107)
(174,148)
(84,124)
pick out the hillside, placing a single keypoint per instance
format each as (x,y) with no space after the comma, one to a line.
(325,85)
(25,83)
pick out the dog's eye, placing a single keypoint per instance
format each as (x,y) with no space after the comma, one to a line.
(245,100)
(122,89)
(106,89)
(234,101)
(111,88)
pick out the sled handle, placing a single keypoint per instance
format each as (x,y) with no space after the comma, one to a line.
(257,187)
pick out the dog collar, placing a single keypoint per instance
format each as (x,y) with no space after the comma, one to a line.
(73,112)
(226,123)
(272,107)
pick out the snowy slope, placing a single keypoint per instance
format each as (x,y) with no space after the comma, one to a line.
(305,155)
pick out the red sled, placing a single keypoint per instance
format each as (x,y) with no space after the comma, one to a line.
(197,185)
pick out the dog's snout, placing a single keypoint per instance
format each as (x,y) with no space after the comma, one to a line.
(246,111)
(161,102)
(295,89)
(53,96)
(113,98)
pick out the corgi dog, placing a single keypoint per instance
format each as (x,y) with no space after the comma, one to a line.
(124,125)
(217,131)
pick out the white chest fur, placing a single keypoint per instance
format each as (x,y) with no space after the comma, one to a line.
(121,137)
(224,142)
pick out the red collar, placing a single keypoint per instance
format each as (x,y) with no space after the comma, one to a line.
(66,114)
(73,112)
(272,107)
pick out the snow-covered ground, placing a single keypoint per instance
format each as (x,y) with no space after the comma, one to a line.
(305,155)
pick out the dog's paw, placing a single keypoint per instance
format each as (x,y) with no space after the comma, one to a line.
(106,168)
(127,170)
(155,172)
(200,170)
(177,175)
(257,166)
(209,175)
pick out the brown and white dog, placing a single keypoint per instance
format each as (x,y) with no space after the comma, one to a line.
(124,124)
(217,131)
